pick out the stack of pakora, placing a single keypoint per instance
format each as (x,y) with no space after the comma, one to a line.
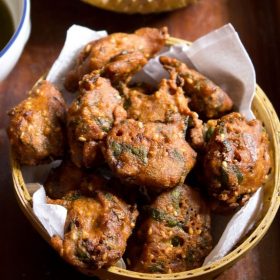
(130,153)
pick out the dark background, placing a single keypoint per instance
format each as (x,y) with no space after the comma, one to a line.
(23,253)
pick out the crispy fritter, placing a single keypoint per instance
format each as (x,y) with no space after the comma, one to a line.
(207,99)
(36,128)
(236,161)
(122,67)
(153,154)
(90,117)
(167,104)
(96,231)
(145,42)
(175,236)
(63,179)
(67,180)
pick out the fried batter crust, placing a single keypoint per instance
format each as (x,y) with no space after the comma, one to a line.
(151,154)
(63,179)
(122,67)
(207,99)
(145,42)
(36,128)
(167,104)
(175,236)
(236,161)
(90,117)
(96,231)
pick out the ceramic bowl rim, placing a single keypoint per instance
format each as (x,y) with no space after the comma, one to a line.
(17,31)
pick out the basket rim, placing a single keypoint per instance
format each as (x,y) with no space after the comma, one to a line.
(25,202)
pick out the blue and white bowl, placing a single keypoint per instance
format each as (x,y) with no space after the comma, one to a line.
(9,55)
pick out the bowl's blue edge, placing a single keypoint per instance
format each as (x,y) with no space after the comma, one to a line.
(15,35)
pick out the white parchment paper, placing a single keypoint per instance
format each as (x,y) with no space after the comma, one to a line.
(77,37)
(51,216)
(219,55)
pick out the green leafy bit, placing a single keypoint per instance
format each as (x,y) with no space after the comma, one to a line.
(175,241)
(172,223)
(72,196)
(238,173)
(162,217)
(109,196)
(157,267)
(224,175)
(209,133)
(140,153)
(157,215)
(175,154)
(226,170)
(82,255)
(117,148)
(104,123)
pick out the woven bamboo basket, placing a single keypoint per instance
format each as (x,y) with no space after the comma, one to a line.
(264,111)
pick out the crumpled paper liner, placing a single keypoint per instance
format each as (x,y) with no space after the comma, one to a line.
(51,216)
(220,56)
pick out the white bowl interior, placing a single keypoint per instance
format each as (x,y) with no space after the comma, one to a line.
(16,9)
(9,55)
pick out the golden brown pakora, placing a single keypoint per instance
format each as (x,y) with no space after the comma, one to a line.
(152,154)
(63,179)
(37,126)
(175,235)
(68,180)
(90,117)
(96,231)
(118,49)
(122,67)
(167,104)
(207,99)
(236,161)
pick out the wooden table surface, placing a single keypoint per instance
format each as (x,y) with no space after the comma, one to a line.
(23,253)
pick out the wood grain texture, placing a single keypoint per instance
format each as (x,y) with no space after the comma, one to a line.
(24,254)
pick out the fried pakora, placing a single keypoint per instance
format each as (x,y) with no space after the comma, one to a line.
(236,161)
(152,154)
(175,235)
(122,67)
(96,231)
(68,180)
(37,126)
(63,179)
(90,117)
(117,49)
(167,104)
(207,99)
